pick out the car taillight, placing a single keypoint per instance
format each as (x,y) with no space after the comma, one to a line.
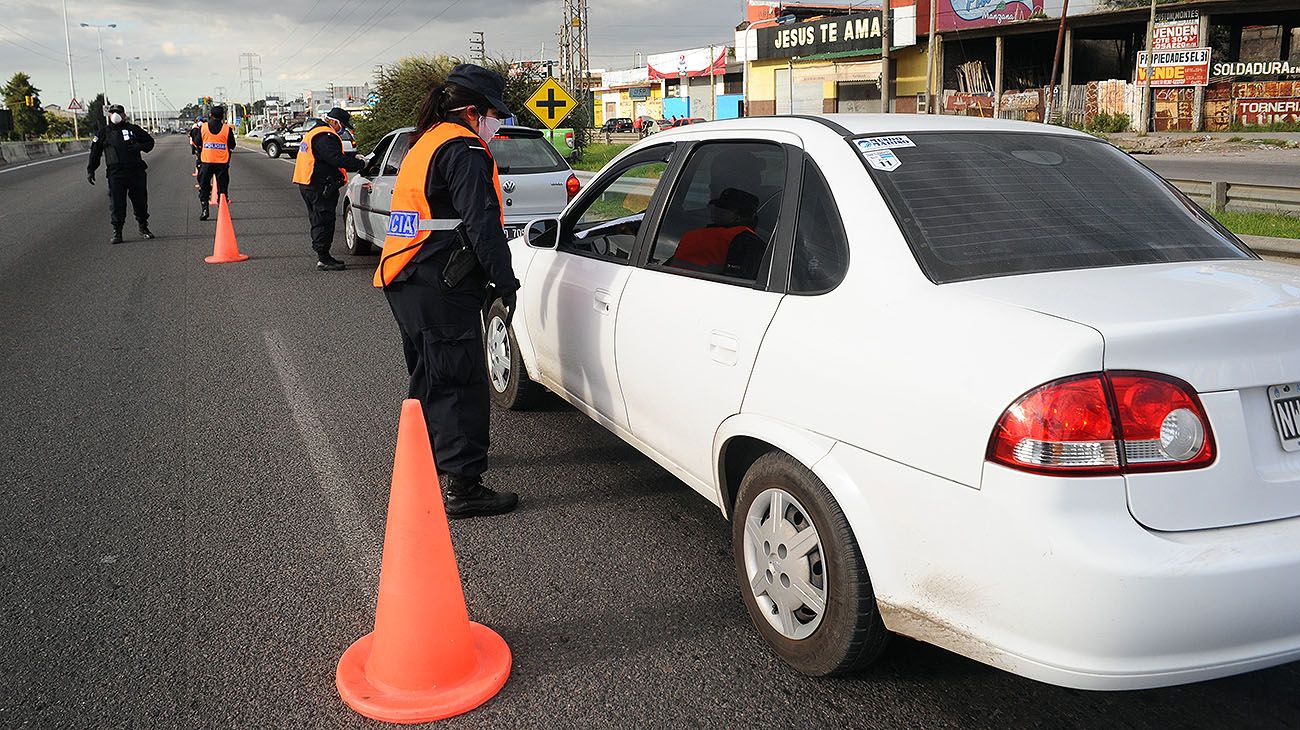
(572,185)
(1104,423)
(568,138)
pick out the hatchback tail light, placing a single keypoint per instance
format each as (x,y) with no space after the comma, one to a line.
(572,185)
(568,138)
(1104,423)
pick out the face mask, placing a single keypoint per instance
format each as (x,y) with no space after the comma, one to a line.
(115,118)
(488,127)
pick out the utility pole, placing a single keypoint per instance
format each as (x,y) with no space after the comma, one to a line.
(476,48)
(1056,64)
(1151,60)
(103,79)
(72,84)
(250,65)
(139,84)
(886,73)
(573,43)
(931,65)
(132,106)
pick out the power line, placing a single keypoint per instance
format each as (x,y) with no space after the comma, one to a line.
(421,27)
(296,26)
(327,24)
(42,54)
(365,28)
(59,51)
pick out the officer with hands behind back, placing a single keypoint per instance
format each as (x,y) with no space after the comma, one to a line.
(121,144)
(214,140)
(320,171)
(445,245)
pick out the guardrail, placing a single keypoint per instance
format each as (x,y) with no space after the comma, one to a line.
(1216,196)
(17,152)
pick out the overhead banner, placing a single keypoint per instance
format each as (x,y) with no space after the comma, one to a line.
(1188,67)
(688,64)
(855,32)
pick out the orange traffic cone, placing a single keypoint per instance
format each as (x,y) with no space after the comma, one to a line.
(225,250)
(425,660)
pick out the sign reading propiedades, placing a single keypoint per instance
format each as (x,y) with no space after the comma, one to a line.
(855,32)
(1187,67)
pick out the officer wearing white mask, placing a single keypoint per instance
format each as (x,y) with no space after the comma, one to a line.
(121,144)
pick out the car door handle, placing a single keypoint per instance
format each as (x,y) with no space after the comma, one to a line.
(367,187)
(724,348)
(602,301)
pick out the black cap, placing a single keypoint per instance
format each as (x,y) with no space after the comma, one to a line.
(341,115)
(490,84)
(116,108)
(218,112)
(737,201)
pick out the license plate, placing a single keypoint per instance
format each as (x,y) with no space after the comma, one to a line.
(514,232)
(1286,413)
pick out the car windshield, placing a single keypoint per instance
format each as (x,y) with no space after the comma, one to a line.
(518,155)
(975,205)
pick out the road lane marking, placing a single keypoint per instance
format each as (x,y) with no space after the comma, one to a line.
(6,168)
(361,541)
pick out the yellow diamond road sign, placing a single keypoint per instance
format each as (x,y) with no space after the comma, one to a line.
(551,103)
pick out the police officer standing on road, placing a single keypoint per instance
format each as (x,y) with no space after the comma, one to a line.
(120,144)
(320,171)
(446,243)
(214,140)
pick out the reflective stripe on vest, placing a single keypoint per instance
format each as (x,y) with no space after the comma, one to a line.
(411,220)
(214,145)
(707,247)
(305,165)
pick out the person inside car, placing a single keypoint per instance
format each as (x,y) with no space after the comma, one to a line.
(728,244)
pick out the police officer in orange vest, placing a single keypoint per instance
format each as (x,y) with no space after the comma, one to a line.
(445,246)
(214,140)
(320,171)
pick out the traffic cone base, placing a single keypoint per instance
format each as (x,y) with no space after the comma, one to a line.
(391,704)
(224,248)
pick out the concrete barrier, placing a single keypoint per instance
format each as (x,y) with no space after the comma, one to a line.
(16,153)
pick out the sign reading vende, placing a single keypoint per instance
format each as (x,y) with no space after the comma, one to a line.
(1187,67)
(1177,31)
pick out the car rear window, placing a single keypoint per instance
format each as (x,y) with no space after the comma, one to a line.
(518,155)
(975,205)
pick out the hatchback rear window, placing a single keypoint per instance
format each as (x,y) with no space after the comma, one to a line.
(519,155)
(975,205)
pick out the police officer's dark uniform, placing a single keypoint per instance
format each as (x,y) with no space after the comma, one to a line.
(447,211)
(121,144)
(320,171)
(214,141)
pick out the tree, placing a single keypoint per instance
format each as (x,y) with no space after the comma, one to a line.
(402,86)
(58,126)
(95,114)
(24,100)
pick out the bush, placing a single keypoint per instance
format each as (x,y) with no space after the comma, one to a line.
(1271,127)
(402,86)
(1106,123)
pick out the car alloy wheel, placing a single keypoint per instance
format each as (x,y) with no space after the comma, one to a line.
(783,563)
(349,230)
(498,351)
(273,150)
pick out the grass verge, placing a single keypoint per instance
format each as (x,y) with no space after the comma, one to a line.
(1277,225)
(594,156)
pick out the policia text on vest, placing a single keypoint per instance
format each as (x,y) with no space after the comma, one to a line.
(214,140)
(319,172)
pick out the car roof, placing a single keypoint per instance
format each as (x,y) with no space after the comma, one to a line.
(858,124)
(508,128)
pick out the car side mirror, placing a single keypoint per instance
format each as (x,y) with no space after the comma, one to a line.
(543,233)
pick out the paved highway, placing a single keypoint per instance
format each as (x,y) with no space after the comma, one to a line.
(195,466)
(1259,167)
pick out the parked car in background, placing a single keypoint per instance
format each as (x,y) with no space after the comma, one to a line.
(1060,436)
(535,181)
(617,124)
(562,140)
(286,142)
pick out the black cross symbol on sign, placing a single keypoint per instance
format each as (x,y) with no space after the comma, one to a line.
(552,104)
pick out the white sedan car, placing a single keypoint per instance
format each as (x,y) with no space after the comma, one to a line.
(988,384)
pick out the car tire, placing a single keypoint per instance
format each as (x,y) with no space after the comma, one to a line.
(356,244)
(272,149)
(848,633)
(510,387)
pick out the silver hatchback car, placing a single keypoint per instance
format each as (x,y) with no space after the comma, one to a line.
(535,182)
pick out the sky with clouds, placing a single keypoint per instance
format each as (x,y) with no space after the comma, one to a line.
(191,48)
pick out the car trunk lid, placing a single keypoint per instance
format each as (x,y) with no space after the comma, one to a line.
(1231,329)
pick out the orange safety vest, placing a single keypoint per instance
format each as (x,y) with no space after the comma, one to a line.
(708,247)
(214,145)
(411,220)
(305,165)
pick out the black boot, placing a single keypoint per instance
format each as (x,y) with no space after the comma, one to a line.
(465,497)
(329,263)
(145,232)
(117,235)
(203,212)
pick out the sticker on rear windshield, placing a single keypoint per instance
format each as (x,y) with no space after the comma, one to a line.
(883,143)
(883,160)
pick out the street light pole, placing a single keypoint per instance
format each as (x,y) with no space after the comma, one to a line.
(72,84)
(132,107)
(99,39)
(1151,58)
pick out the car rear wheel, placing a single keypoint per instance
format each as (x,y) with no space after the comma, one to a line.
(272,149)
(356,244)
(511,389)
(801,573)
